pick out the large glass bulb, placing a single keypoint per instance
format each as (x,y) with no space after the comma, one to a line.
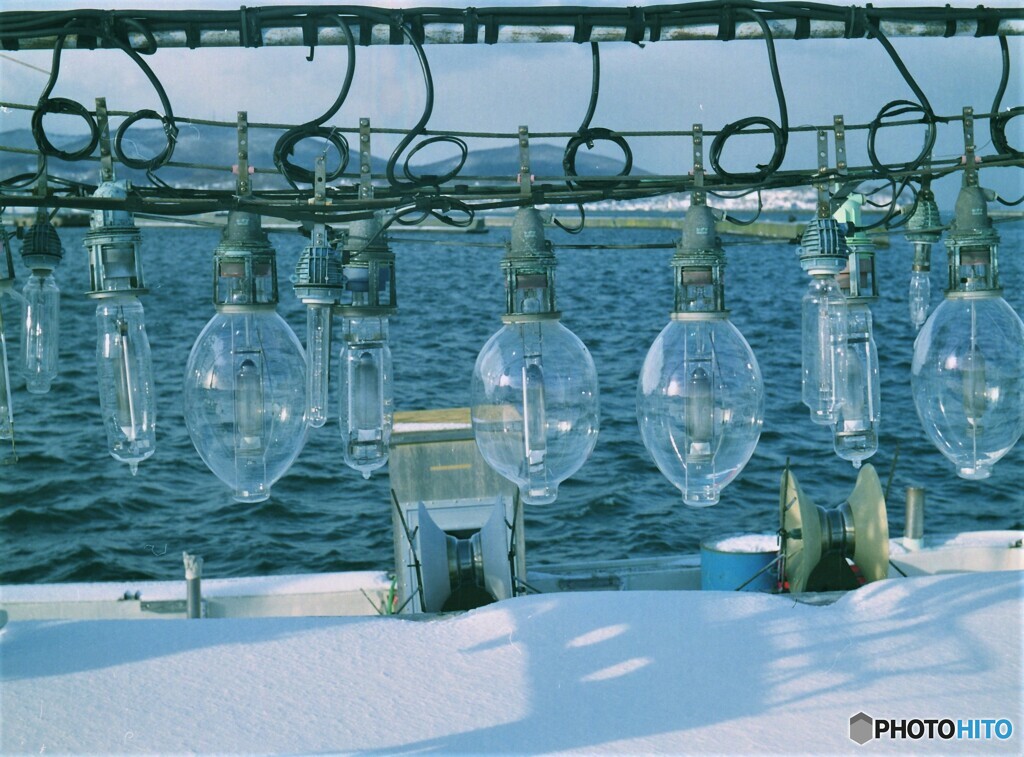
(968,381)
(700,403)
(245,396)
(125,376)
(967,374)
(535,405)
(824,348)
(364,388)
(245,382)
(855,435)
(40,332)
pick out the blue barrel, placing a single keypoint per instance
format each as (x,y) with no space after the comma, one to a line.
(727,562)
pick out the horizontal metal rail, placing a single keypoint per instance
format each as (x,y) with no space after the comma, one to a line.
(309,26)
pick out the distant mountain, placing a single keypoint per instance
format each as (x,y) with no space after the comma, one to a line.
(545,160)
(211,145)
(196,144)
(216,146)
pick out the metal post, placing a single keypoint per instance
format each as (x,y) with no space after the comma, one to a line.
(525,177)
(193,577)
(913,528)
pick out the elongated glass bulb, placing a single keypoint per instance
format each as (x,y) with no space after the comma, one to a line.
(40,332)
(366,408)
(6,403)
(855,434)
(319,320)
(124,369)
(6,407)
(824,345)
(920,294)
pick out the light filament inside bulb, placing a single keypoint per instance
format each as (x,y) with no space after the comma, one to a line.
(700,416)
(534,422)
(365,391)
(125,401)
(249,436)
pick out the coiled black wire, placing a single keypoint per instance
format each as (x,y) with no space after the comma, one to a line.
(285,146)
(779,131)
(413,181)
(586,135)
(997,123)
(65,106)
(897,108)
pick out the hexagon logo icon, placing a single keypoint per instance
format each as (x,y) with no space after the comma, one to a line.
(861,728)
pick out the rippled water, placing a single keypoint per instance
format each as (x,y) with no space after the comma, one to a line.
(69,512)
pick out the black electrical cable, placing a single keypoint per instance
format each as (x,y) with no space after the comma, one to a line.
(997,123)
(587,135)
(285,146)
(170,133)
(166,119)
(63,106)
(736,221)
(595,87)
(893,204)
(898,108)
(21,180)
(435,207)
(779,132)
(417,182)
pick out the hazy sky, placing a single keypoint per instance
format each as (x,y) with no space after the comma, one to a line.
(662,86)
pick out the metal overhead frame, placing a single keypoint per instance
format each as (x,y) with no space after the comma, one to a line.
(309,26)
(140,32)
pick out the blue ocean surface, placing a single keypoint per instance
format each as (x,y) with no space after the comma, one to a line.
(70,512)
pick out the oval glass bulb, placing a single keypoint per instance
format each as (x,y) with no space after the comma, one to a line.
(700,406)
(245,400)
(824,343)
(967,379)
(40,332)
(535,406)
(366,410)
(124,369)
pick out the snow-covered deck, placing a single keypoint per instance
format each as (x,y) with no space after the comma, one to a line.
(622,672)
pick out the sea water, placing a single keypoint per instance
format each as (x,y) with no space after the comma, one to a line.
(70,512)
